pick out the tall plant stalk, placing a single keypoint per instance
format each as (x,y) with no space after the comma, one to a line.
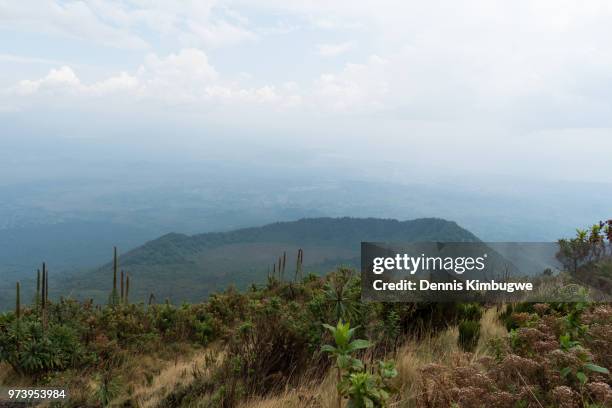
(37,298)
(113,301)
(44,289)
(127,289)
(18,300)
(122,287)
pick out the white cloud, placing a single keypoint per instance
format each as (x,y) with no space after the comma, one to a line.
(332,50)
(56,80)
(187,77)
(528,62)
(180,78)
(482,76)
(119,83)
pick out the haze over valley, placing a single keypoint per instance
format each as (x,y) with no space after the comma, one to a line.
(213,116)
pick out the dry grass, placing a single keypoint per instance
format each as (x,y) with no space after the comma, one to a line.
(440,349)
(9,377)
(414,355)
(490,327)
(410,358)
(167,377)
(313,395)
(4,372)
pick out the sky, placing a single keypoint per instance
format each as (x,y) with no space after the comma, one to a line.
(400,88)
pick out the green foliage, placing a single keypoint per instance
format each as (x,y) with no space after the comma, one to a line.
(469,315)
(113,298)
(78,334)
(369,390)
(581,374)
(391,326)
(469,311)
(575,329)
(343,294)
(274,336)
(508,316)
(469,333)
(108,388)
(344,346)
(579,355)
(362,388)
(596,369)
(587,246)
(29,350)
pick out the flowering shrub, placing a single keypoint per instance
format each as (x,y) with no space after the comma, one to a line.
(557,358)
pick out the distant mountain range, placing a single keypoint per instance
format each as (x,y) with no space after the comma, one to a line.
(188,268)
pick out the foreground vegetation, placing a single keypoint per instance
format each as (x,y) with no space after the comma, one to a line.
(312,342)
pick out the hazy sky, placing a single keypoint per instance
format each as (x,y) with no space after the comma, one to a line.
(404,87)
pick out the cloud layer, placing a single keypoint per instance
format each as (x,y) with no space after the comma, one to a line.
(520,69)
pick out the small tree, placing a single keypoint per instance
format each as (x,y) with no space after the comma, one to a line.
(587,246)
(573,251)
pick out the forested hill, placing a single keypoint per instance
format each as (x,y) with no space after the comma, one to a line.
(188,268)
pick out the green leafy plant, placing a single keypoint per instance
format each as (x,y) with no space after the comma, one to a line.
(366,390)
(362,388)
(30,350)
(581,374)
(343,351)
(566,343)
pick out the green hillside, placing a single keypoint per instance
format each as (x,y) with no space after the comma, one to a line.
(188,268)
(314,343)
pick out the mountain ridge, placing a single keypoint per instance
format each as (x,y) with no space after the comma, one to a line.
(318,231)
(189,267)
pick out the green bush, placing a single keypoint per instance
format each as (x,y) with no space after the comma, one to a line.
(469,311)
(367,390)
(29,350)
(469,333)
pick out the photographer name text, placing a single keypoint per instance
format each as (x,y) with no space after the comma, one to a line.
(471,285)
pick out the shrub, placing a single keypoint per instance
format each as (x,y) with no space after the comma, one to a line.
(469,311)
(559,358)
(469,333)
(366,390)
(29,350)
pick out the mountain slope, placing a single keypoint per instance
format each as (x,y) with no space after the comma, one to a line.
(188,268)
